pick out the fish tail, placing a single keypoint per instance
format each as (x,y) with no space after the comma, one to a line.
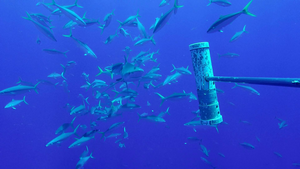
(152,40)
(176,4)
(65,53)
(140,117)
(24,100)
(83,17)
(209,3)
(53,3)
(162,98)
(36,86)
(91,155)
(75,130)
(245,10)
(73,122)
(62,75)
(103,134)
(77,4)
(173,68)
(167,111)
(69,36)
(235,85)
(101,71)
(29,17)
(244,29)
(101,27)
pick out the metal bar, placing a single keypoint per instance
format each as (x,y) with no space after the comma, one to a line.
(289,82)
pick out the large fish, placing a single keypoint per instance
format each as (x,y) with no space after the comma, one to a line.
(70,14)
(14,103)
(62,137)
(227,19)
(41,28)
(223,3)
(85,47)
(165,18)
(19,89)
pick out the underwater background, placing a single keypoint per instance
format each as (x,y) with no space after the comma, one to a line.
(270,49)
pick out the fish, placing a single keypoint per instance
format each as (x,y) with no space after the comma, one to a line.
(83,160)
(207,162)
(182,70)
(125,134)
(85,153)
(55,52)
(129,106)
(70,14)
(204,150)
(282,124)
(85,47)
(229,55)
(165,18)
(64,127)
(177,96)
(144,40)
(172,78)
(141,28)
(162,114)
(110,38)
(127,50)
(62,137)
(38,41)
(131,72)
(56,75)
(112,127)
(47,6)
(164,3)
(277,154)
(57,11)
(238,34)
(247,145)
(247,88)
(112,135)
(223,3)
(227,19)
(14,103)
(107,21)
(19,89)
(41,28)
(198,124)
(151,118)
(80,141)
(153,26)
(129,20)
(124,33)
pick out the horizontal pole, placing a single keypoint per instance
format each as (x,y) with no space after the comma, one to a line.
(289,82)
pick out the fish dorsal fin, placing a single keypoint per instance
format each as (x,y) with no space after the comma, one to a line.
(183,91)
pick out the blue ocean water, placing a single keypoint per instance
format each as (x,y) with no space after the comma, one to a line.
(270,49)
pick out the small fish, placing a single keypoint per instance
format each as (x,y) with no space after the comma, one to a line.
(56,75)
(122,145)
(144,40)
(204,150)
(247,145)
(38,41)
(125,135)
(229,55)
(14,103)
(238,34)
(129,20)
(62,137)
(164,2)
(80,141)
(277,154)
(177,96)
(172,78)
(55,52)
(110,38)
(223,3)
(82,161)
(181,70)
(61,129)
(151,118)
(247,88)
(112,135)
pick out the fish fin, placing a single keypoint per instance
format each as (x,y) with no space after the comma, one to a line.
(73,122)
(65,53)
(152,40)
(20,80)
(245,10)
(244,29)
(29,17)
(91,155)
(62,75)
(14,108)
(177,6)
(24,100)
(75,130)
(173,68)
(139,117)
(36,86)
(101,71)
(162,98)
(70,35)
(103,134)
(137,14)
(209,3)
(235,85)
(53,3)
